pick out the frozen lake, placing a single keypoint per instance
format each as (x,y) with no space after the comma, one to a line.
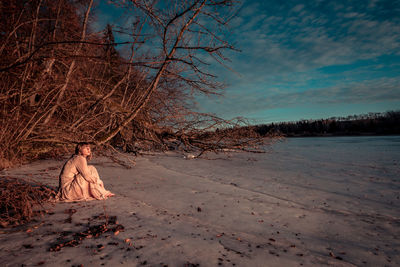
(308,201)
(341,193)
(363,171)
(357,174)
(377,152)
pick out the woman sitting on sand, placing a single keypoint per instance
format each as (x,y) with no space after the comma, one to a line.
(79,181)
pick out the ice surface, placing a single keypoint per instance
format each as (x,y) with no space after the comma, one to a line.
(308,201)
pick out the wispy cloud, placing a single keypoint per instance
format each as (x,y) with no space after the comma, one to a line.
(306,38)
(306,52)
(288,46)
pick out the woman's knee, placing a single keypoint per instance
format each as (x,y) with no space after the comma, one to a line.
(92,169)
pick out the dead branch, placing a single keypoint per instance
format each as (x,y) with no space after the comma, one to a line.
(19,200)
(71,67)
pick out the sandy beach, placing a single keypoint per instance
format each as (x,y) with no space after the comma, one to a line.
(274,209)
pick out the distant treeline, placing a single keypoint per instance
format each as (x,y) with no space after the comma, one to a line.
(386,123)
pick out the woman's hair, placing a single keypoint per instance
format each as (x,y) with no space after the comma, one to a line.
(79,146)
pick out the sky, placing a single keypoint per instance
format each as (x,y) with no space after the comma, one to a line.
(309,59)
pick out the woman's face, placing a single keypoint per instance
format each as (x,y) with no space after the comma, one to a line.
(85,151)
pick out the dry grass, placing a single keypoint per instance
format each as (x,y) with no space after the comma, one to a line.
(20,200)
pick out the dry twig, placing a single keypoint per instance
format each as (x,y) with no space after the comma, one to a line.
(18,199)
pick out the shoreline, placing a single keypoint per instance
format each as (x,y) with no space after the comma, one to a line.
(204,212)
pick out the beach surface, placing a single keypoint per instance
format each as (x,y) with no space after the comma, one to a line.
(282,208)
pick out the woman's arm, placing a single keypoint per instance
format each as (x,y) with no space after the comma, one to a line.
(82,168)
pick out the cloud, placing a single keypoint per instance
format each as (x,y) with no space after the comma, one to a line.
(247,103)
(308,52)
(291,48)
(275,40)
(298,8)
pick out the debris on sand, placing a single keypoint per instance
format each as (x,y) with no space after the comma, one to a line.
(92,231)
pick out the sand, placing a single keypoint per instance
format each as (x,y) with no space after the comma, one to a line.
(204,212)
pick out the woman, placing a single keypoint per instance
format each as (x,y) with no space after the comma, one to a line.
(79,181)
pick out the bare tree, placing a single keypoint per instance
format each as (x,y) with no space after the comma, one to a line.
(185,29)
(71,66)
(62,82)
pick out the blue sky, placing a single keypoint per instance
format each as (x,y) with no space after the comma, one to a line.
(309,60)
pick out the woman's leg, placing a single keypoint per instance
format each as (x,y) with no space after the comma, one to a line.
(98,191)
(77,190)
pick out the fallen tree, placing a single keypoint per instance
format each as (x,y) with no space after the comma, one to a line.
(62,82)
